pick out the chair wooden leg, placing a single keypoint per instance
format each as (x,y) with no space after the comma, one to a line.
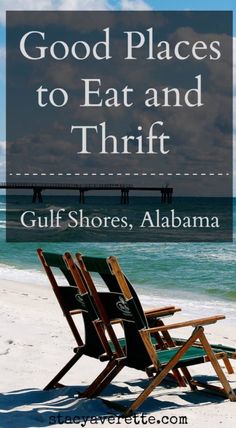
(179,378)
(223,356)
(226,386)
(228,365)
(108,379)
(159,377)
(54,382)
(103,379)
(189,378)
(164,345)
(186,375)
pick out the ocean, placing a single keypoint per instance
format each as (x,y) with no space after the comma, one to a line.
(199,277)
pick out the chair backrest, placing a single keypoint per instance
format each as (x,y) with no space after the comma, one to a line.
(121,303)
(101,266)
(74,298)
(78,272)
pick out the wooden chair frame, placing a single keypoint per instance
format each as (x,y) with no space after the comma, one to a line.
(153,315)
(162,371)
(114,358)
(103,324)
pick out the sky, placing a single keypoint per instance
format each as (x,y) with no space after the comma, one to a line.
(91,5)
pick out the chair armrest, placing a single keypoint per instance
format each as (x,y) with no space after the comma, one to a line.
(191,323)
(151,313)
(158,309)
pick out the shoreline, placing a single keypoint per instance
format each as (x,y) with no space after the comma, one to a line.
(192,302)
(36,342)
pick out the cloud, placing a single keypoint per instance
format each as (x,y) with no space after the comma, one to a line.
(2,53)
(2,147)
(24,5)
(83,5)
(95,5)
(134,5)
(44,5)
(2,65)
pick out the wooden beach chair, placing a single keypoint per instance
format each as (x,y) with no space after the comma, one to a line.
(74,299)
(88,265)
(155,316)
(140,350)
(102,267)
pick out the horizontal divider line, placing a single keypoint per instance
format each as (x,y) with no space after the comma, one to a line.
(68,174)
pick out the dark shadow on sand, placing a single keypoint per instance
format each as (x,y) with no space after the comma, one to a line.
(46,406)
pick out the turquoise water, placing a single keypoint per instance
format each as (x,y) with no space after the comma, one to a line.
(196,272)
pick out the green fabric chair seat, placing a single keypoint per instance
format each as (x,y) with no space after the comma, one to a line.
(217,347)
(193,354)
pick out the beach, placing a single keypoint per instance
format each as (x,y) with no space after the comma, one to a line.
(36,342)
(116,142)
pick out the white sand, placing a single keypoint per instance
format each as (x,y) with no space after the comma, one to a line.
(36,342)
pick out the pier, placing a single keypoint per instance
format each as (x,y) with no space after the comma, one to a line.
(124,189)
